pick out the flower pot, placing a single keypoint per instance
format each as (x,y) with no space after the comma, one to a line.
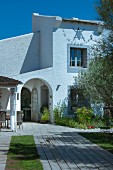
(44,121)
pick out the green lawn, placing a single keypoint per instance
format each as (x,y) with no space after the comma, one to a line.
(105,140)
(22,154)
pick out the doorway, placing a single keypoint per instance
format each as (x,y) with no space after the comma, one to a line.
(26,104)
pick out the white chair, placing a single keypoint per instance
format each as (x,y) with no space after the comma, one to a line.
(3,119)
(8,120)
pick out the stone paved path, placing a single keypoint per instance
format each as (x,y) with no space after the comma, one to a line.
(61,148)
(4,147)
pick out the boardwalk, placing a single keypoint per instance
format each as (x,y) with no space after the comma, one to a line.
(61,148)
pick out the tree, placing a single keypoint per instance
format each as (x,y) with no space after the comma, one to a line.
(97,81)
(105,11)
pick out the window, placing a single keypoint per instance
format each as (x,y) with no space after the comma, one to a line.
(77,98)
(17,96)
(78,57)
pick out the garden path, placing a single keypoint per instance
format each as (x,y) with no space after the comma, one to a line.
(60,148)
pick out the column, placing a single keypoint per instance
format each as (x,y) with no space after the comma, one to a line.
(13,109)
(51,108)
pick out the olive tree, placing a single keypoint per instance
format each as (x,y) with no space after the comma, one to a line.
(97,80)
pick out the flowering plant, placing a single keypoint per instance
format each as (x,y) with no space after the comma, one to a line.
(84,115)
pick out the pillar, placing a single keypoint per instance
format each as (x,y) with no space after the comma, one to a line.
(13,109)
(51,108)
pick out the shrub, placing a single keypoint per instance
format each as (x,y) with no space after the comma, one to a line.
(58,111)
(83,118)
(97,123)
(84,115)
(45,115)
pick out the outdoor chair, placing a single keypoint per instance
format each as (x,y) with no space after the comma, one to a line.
(20,118)
(8,120)
(2,119)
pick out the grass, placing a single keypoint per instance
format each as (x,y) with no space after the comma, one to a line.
(22,154)
(104,140)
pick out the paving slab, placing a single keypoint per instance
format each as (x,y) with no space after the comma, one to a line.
(4,147)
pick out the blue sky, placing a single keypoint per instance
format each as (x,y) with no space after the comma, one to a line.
(16,15)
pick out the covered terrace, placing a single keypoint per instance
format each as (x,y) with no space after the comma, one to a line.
(8,96)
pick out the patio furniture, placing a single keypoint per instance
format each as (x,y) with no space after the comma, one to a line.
(20,118)
(3,119)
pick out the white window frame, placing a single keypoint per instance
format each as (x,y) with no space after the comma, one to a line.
(75,69)
(75,61)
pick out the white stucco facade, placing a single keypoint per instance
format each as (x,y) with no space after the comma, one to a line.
(43,57)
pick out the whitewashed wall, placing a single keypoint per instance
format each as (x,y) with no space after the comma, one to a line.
(19,54)
(44,54)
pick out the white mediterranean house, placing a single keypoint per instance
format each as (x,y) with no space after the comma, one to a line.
(46,62)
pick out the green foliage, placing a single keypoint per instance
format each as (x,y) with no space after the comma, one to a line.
(97,81)
(22,154)
(82,119)
(105,10)
(84,115)
(66,121)
(108,120)
(45,115)
(104,140)
(62,120)
(97,121)
(58,110)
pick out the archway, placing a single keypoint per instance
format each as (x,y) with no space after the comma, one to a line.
(41,96)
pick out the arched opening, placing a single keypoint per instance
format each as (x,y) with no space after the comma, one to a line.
(38,94)
(26,103)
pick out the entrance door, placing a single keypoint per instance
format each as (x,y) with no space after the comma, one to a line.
(26,103)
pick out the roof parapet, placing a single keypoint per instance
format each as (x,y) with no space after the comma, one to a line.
(91,22)
(39,21)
